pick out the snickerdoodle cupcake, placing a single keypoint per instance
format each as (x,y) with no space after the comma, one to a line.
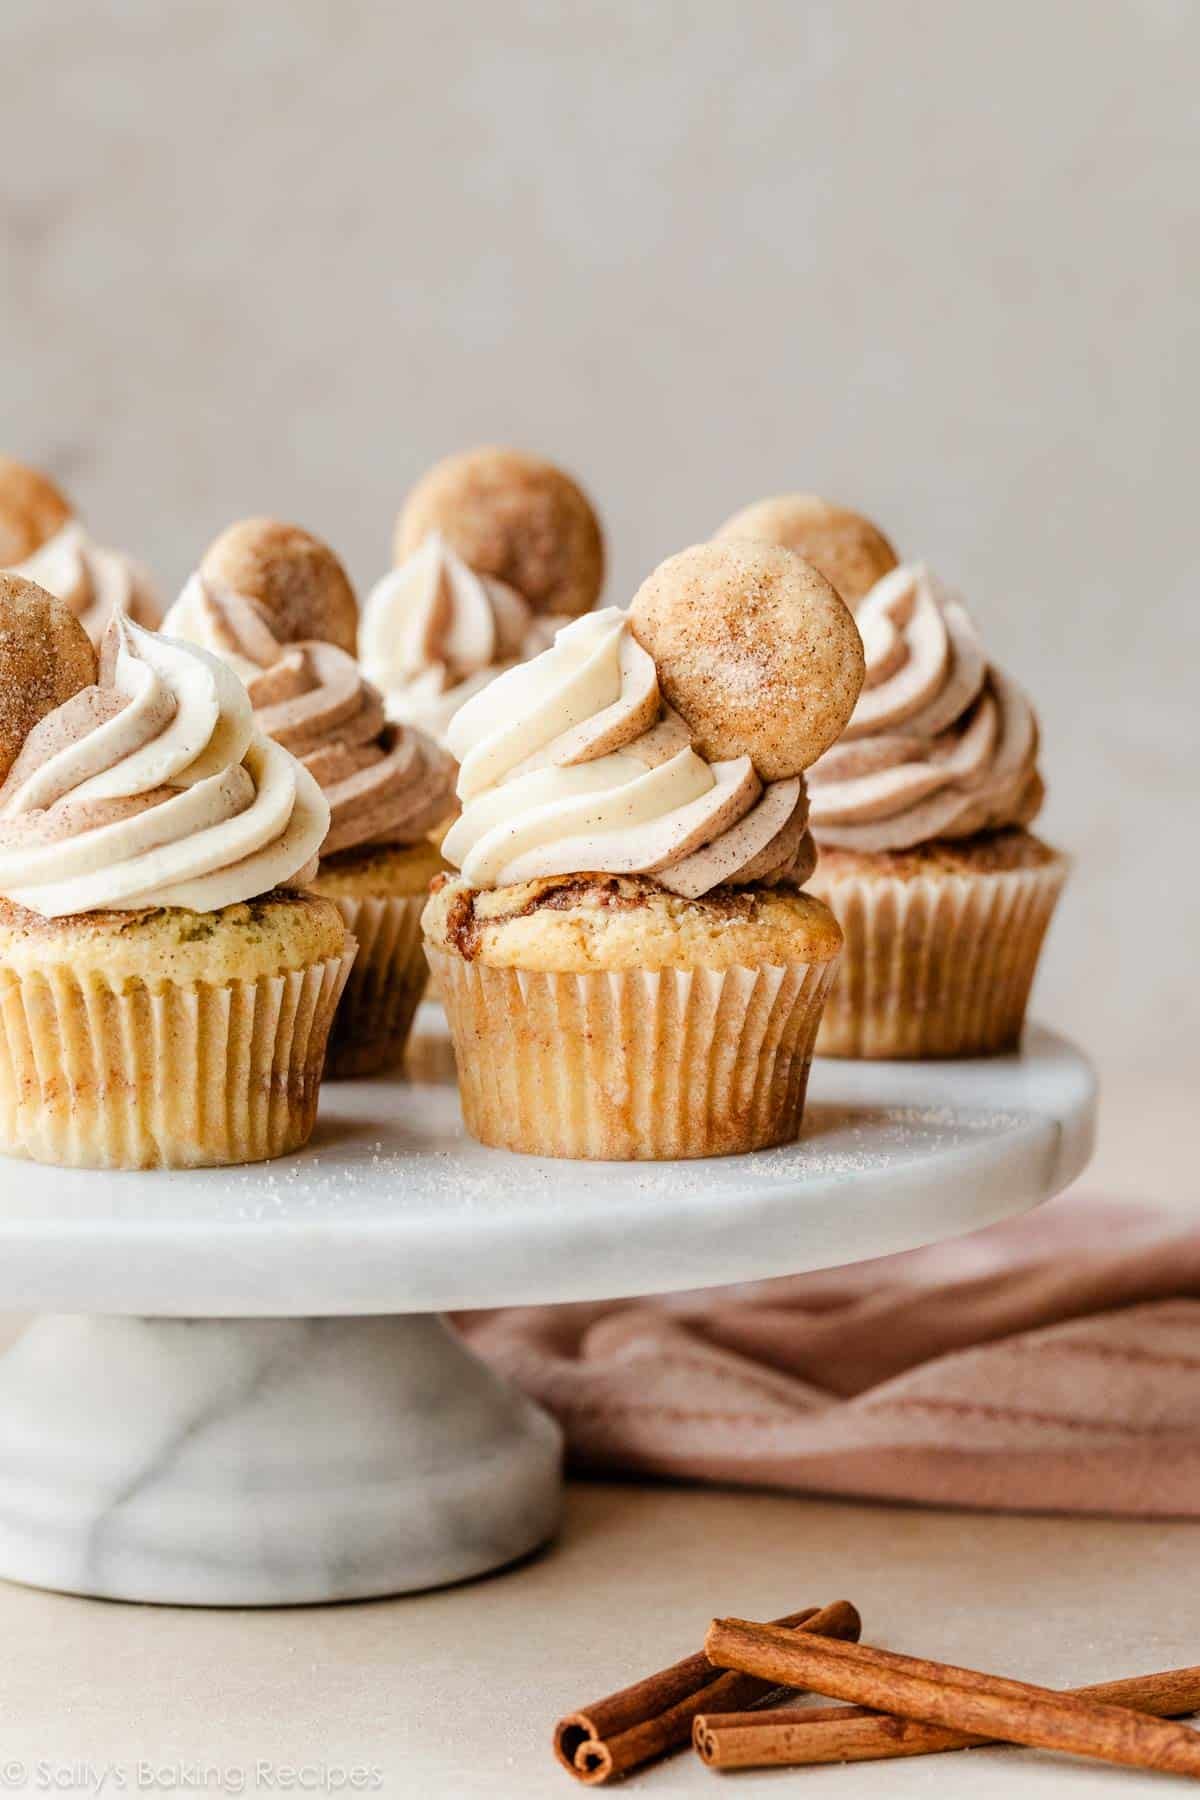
(388,786)
(629,966)
(164,998)
(42,540)
(920,815)
(494,550)
(851,552)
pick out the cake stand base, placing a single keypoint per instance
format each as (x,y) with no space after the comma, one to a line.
(264,1462)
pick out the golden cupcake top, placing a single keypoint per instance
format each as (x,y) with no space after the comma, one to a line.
(43,541)
(631,747)
(577,923)
(942,744)
(850,552)
(142,783)
(385,783)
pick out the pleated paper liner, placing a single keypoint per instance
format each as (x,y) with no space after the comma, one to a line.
(175,1076)
(632,1065)
(375,1015)
(939,965)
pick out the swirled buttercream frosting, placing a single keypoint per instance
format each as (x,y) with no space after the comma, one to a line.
(433,633)
(154,788)
(93,582)
(940,745)
(574,764)
(385,783)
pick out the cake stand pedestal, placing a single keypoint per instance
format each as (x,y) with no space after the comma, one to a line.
(240,1392)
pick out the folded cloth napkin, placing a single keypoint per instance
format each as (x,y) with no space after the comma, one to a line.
(1050,1363)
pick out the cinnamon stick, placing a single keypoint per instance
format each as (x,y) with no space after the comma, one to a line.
(990,1706)
(654,1716)
(793,1735)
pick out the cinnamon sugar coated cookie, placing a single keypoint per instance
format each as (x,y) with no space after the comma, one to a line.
(32,509)
(514,517)
(755,649)
(293,575)
(45,657)
(848,550)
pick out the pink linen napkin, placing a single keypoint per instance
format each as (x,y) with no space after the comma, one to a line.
(1051,1363)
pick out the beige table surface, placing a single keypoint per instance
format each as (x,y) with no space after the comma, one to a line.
(454,1693)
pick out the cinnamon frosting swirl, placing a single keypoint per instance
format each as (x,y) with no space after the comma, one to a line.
(93,582)
(153,788)
(941,743)
(433,633)
(385,783)
(573,763)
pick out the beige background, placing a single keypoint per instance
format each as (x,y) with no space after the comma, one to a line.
(938,260)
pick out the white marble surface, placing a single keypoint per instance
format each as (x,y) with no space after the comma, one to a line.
(240,1455)
(394,1209)
(263,1462)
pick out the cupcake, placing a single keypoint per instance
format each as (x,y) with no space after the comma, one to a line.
(494,550)
(920,815)
(848,549)
(629,966)
(164,999)
(42,541)
(262,599)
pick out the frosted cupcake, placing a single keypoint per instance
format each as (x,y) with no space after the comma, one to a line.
(42,541)
(387,785)
(850,551)
(494,550)
(629,966)
(920,814)
(164,999)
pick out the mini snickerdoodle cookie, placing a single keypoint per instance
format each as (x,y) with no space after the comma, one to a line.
(848,549)
(755,649)
(516,518)
(43,541)
(294,577)
(32,509)
(45,658)
(629,966)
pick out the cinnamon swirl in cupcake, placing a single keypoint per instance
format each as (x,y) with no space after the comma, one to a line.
(387,785)
(494,550)
(920,812)
(42,540)
(629,965)
(165,994)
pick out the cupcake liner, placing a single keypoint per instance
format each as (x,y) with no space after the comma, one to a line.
(940,965)
(636,1064)
(179,1076)
(376,1012)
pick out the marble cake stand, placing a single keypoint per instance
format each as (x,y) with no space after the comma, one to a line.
(239,1392)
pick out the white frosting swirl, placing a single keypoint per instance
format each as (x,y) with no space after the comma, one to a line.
(940,745)
(153,788)
(93,582)
(433,633)
(385,783)
(574,764)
